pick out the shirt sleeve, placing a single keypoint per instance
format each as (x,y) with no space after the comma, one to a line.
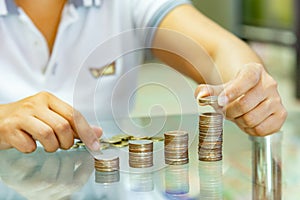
(147,14)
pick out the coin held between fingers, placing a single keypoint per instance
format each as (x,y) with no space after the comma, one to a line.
(208,100)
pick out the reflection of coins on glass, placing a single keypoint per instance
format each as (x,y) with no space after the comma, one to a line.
(140,153)
(107,161)
(177,179)
(107,177)
(141,182)
(209,100)
(211,184)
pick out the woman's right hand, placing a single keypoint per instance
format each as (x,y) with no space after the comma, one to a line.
(45,118)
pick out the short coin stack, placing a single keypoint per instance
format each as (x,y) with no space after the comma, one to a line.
(210,136)
(176,147)
(107,162)
(140,153)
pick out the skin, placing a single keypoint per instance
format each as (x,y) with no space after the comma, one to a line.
(43,116)
(247,93)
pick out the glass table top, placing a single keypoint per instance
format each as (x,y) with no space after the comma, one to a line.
(252,168)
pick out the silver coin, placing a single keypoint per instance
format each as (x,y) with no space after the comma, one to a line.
(208,100)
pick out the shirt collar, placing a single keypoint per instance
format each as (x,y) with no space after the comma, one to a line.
(9,6)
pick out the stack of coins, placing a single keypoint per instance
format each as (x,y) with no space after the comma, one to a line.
(176,147)
(107,162)
(140,153)
(210,136)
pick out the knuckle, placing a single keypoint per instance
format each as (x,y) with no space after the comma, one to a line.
(29,105)
(243,104)
(46,133)
(43,94)
(252,74)
(252,77)
(234,91)
(249,120)
(62,127)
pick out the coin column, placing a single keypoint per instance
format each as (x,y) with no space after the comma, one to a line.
(107,168)
(176,147)
(210,136)
(140,153)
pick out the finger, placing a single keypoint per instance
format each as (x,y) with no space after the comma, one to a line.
(204,90)
(63,109)
(62,128)
(86,133)
(80,126)
(271,125)
(245,103)
(97,130)
(22,141)
(246,79)
(255,116)
(41,132)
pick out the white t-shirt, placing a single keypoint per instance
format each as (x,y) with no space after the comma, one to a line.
(92,34)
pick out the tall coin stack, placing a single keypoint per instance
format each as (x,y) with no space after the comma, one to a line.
(176,147)
(210,136)
(210,132)
(140,153)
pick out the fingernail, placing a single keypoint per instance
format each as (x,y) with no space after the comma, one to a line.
(95,146)
(222,100)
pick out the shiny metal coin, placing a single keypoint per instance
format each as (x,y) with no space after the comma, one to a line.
(209,100)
